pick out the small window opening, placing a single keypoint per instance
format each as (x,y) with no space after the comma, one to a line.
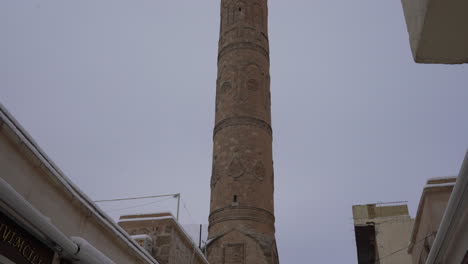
(240,9)
(235,198)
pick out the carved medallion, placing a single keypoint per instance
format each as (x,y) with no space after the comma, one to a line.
(252,85)
(259,170)
(226,87)
(236,168)
(234,254)
(255,87)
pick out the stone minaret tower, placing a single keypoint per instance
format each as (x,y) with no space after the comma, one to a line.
(241,221)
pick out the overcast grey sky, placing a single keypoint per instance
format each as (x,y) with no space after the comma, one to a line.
(120,94)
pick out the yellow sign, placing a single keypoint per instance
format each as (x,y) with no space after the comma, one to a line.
(21,247)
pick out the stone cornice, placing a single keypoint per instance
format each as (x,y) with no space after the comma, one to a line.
(242,121)
(243,45)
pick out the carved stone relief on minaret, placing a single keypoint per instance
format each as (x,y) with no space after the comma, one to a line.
(234,253)
(215,175)
(227,88)
(242,19)
(239,11)
(236,167)
(226,82)
(252,90)
(233,13)
(257,14)
(254,93)
(259,170)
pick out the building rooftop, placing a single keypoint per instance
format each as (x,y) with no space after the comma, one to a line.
(362,213)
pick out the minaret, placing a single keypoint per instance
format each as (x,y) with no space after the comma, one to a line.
(241,221)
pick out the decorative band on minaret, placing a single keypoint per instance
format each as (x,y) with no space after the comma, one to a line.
(241,221)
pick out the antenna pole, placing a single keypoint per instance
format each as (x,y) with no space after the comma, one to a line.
(178,205)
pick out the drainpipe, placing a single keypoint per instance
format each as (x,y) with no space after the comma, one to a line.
(89,254)
(75,248)
(19,205)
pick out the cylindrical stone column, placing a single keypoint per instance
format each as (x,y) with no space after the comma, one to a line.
(241,221)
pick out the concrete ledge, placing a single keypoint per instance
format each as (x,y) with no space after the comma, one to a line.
(438,30)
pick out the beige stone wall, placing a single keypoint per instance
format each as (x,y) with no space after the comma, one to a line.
(393,235)
(363,213)
(170,244)
(21,169)
(238,247)
(393,227)
(430,212)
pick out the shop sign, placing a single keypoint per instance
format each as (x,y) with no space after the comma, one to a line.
(19,246)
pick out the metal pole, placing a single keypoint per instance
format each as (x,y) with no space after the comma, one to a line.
(199,238)
(178,205)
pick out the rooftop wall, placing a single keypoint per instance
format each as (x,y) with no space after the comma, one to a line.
(171,244)
(392,227)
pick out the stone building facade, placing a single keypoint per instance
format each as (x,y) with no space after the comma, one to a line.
(431,209)
(438,234)
(45,218)
(170,243)
(241,222)
(381,231)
